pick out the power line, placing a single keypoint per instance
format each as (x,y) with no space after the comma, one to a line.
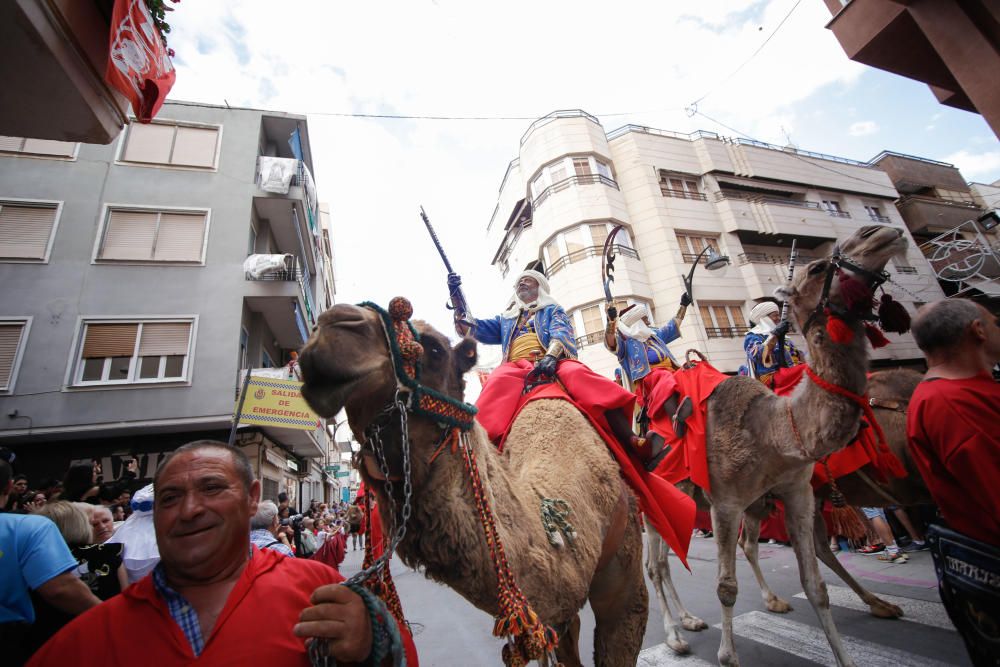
(694,105)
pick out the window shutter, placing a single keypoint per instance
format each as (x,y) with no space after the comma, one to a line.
(149,143)
(195,147)
(180,237)
(12,144)
(25,230)
(164,338)
(109,340)
(10,339)
(737,313)
(129,235)
(49,147)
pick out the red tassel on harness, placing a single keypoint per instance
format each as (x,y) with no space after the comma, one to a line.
(892,316)
(838,329)
(875,336)
(856,295)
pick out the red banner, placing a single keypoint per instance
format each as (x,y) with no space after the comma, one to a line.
(138,64)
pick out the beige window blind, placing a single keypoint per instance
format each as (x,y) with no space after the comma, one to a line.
(11,144)
(10,340)
(25,230)
(49,147)
(130,235)
(194,146)
(110,340)
(164,338)
(152,142)
(180,237)
(592,320)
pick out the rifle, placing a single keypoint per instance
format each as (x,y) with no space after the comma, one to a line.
(456,295)
(782,359)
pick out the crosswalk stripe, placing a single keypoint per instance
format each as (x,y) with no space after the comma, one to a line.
(810,643)
(661,656)
(915,611)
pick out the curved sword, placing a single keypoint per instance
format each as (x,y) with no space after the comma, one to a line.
(608,263)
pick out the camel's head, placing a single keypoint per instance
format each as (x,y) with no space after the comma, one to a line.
(847,286)
(347,364)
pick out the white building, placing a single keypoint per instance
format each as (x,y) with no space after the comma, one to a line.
(674,193)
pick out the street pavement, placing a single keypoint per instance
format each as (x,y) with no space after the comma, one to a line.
(450,631)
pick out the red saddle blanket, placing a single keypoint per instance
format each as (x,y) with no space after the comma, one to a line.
(670,511)
(863,450)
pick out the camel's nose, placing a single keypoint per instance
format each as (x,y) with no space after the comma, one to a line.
(342,314)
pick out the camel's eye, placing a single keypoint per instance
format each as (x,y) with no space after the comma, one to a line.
(818,267)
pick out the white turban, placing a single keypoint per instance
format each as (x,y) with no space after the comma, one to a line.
(543,300)
(630,323)
(758,316)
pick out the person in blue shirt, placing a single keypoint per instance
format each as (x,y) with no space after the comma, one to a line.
(539,345)
(760,343)
(33,557)
(649,366)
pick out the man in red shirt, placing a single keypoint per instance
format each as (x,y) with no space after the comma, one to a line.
(205,600)
(953,426)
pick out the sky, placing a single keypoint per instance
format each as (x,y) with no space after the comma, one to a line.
(643,63)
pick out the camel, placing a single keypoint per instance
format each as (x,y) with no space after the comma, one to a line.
(759,443)
(891,390)
(552,452)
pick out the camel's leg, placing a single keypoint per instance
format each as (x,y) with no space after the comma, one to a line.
(799,516)
(568,651)
(621,605)
(726,523)
(748,540)
(876,605)
(658,570)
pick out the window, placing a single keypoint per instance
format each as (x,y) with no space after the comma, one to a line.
(691,245)
(682,186)
(581,166)
(252,242)
(153,236)
(832,207)
(552,251)
(133,352)
(26,230)
(244,347)
(168,144)
(270,489)
(13,334)
(593,320)
(65,149)
(599,234)
(875,213)
(723,320)
(567,170)
(265,359)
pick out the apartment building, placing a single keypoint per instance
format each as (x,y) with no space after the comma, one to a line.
(675,194)
(954,222)
(127,311)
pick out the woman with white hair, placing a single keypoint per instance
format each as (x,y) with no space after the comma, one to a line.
(759,343)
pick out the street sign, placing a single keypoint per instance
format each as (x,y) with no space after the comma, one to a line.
(343,473)
(331,468)
(274,402)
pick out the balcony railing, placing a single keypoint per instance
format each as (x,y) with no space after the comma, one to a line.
(589,339)
(764,199)
(585,179)
(875,217)
(585,253)
(838,214)
(764,258)
(681,194)
(278,174)
(689,257)
(725,332)
(905,269)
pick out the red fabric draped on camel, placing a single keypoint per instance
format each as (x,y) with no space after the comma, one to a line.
(670,511)
(863,450)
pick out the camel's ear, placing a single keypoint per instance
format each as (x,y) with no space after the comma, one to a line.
(784,293)
(466,355)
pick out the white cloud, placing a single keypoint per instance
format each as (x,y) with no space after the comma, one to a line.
(976,165)
(862,128)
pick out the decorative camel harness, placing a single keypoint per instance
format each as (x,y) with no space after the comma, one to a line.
(527,637)
(859,300)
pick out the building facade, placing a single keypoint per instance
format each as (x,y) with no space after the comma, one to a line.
(674,194)
(128,311)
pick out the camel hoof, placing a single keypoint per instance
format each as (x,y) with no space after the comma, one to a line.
(693,624)
(882,609)
(679,646)
(778,606)
(729,661)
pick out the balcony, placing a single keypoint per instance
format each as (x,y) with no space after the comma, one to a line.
(52,54)
(925,215)
(585,253)
(279,289)
(725,332)
(586,179)
(765,258)
(590,339)
(681,194)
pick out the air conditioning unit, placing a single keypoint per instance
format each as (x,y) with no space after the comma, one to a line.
(989,220)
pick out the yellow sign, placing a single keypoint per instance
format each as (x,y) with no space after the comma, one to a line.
(272,402)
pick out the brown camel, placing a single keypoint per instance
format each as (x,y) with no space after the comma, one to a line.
(552,452)
(759,443)
(891,391)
